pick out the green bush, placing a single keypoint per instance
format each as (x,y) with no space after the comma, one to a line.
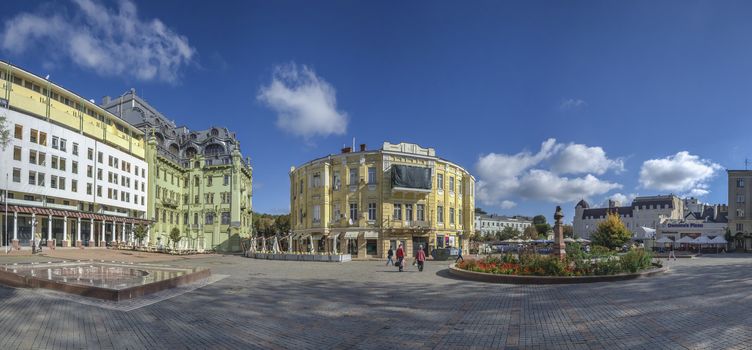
(636,260)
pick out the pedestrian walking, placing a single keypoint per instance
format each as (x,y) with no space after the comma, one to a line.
(389,256)
(671,254)
(421,258)
(459,255)
(400,257)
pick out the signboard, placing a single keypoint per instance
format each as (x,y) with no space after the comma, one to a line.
(685,225)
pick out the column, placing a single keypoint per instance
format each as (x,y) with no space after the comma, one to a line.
(122,235)
(114,226)
(91,232)
(78,234)
(102,239)
(50,243)
(16,245)
(133,237)
(34,229)
(148,233)
(65,231)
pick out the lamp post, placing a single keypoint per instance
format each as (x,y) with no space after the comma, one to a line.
(5,199)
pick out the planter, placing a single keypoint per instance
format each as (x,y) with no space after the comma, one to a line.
(516,279)
(320,258)
(308,257)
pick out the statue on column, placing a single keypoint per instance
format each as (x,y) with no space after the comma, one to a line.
(559,244)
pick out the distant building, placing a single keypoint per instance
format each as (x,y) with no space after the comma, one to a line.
(490,224)
(648,211)
(739,222)
(699,220)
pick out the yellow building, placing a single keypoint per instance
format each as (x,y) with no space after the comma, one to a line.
(369,201)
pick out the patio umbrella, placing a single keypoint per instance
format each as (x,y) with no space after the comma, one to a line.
(664,240)
(582,240)
(648,232)
(569,240)
(703,240)
(686,240)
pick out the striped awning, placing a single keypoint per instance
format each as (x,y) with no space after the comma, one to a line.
(74,214)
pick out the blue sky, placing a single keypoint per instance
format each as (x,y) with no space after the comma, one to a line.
(544,102)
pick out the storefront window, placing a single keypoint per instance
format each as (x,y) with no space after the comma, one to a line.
(371,247)
(352,246)
(440,241)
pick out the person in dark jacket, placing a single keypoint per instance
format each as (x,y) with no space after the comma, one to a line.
(421,258)
(459,256)
(389,256)
(400,257)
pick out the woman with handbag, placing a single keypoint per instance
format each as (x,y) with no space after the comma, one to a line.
(400,257)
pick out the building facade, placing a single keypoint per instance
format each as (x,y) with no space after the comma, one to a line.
(362,203)
(739,222)
(647,211)
(491,224)
(699,220)
(200,185)
(75,173)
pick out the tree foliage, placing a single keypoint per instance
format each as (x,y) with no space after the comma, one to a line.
(175,236)
(269,225)
(139,232)
(539,219)
(507,233)
(540,223)
(4,132)
(568,230)
(611,232)
(480,211)
(530,232)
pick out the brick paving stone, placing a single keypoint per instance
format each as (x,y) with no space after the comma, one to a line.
(702,303)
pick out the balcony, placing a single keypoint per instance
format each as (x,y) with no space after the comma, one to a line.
(170,203)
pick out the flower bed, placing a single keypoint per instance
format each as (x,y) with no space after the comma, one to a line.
(578,263)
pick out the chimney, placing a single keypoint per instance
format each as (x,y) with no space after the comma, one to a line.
(362,147)
(105,100)
(346,150)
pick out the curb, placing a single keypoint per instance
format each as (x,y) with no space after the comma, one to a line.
(515,279)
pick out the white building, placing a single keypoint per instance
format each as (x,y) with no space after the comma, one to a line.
(702,220)
(648,211)
(490,224)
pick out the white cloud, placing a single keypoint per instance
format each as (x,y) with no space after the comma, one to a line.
(623,199)
(108,41)
(572,104)
(682,173)
(507,204)
(506,177)
(306,105)
(581,159)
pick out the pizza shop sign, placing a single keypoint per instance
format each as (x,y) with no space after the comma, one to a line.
(686,225)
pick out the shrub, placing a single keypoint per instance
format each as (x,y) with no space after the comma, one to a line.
(636,260)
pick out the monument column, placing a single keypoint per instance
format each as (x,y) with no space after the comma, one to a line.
(65,231)
(91,232)
(559,244)
(16,245)
(114,227)
(102,239)
(50,243)
(122,233)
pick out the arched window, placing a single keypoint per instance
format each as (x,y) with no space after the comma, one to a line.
(214,149)
(190,152)
(174,149)
(214,132)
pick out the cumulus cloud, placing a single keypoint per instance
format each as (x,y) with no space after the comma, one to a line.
(108,41)
(581,159)
(681,173)
(623,199)
(569,104)
(306,105)
(541,175)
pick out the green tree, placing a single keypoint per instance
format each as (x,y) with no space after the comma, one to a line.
(4,132)
(611,232)
(480,211)
(508,233)
(282,223)
(530,232)
(140,233)
(175,237)
(540,223)
(568,230)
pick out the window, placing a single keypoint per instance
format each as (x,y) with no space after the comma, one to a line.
(440,181)
(451,216)
(354,212)
(43,138)
(225,218)
(18,132)
(16,153)
(301,186)
(55,142)
(740,227)
(408,212)
(61,183)
(371,211)
(195,218)
(209,181)
(420,212)
(459,217)
(353,176)
(451,183)
(300,215)
(62,164)
(195,199)
(34,136)
(74,185)
(440,214)
(209,219)
(40,179)
(316,180)
(740,198)
(739,182)
(17,175)
(41,158)
(32,156)
(371,176)
(99,174)
(740,213)
(54,162)
(226,180)
(99,191)
(88,188)
(89,171)
(100,157)
(90,154)
(75,149)
(336,180)
(62,145)
(397,215)
(316,213)
(53,181)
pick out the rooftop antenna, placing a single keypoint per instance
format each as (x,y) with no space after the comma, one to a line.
(746,163)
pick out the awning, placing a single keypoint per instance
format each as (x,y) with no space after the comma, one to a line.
(351,235)
(371,235)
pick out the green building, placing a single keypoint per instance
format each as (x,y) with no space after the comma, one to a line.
(198,181)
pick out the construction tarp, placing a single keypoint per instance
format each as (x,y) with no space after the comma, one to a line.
(407,176)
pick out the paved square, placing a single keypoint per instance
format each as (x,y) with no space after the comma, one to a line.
(702,303)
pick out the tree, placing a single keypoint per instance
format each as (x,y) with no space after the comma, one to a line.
(4,132)
(175,237)
(530,232)
(568,230)
(282,223)
(508,233)
(540,223)
(140,233)
(611,232)
(480,211)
